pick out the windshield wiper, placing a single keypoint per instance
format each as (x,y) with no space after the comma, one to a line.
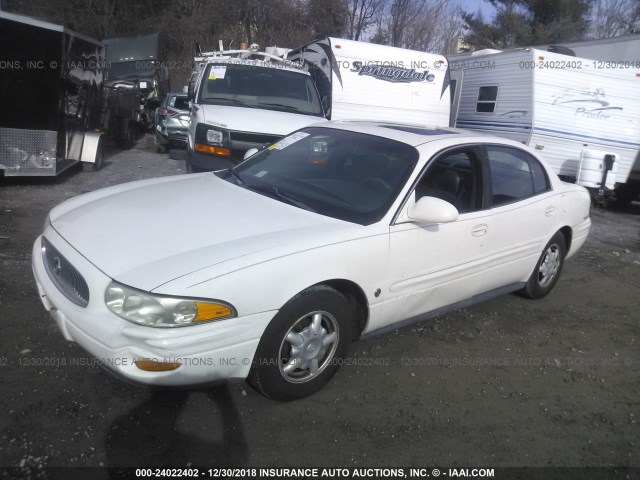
(275,192)
(234,174)
(230,100)
(281,105)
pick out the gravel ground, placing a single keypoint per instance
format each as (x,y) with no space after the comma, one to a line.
(509,382)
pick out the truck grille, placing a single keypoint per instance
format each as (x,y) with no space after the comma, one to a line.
(64,275)
(243,141)
(256,138)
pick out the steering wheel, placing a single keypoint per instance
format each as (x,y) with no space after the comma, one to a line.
(375,183)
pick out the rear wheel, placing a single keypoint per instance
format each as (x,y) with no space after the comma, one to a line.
(301,348)
(548,268)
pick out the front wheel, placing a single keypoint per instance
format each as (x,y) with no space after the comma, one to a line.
(302,347)
(548,268)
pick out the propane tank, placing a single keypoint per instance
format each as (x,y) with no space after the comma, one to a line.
(593,166)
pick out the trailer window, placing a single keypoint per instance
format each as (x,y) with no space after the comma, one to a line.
(487,97)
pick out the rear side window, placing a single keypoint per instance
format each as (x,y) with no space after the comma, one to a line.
(181,103)
(487,97)
(515,175)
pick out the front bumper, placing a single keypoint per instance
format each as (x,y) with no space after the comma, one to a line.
(207,353)
(169,135)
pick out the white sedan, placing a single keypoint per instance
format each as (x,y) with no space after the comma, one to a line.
(269,270)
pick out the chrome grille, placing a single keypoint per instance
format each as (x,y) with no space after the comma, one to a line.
(257,138)
(64,275)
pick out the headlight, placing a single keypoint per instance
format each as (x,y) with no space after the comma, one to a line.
(214,137)
(152,310)
(210,135)
(212,140)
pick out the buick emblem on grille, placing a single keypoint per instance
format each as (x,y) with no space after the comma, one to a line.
(57,265)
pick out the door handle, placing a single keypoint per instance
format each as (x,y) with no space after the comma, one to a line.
(550,211)
(479,230)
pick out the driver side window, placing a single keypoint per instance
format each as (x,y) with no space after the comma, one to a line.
(455,178)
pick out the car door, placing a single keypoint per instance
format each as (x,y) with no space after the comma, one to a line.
(435,265)
(524,213)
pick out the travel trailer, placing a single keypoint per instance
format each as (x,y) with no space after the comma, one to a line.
(358,80)
(583,115)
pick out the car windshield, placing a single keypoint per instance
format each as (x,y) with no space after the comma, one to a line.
(341,174)
(260,87)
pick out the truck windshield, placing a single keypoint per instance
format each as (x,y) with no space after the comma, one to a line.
(134,69)
(260,87)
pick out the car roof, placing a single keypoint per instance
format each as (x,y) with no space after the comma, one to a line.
(413,135)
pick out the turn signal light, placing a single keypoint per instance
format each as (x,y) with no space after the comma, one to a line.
(211,311)
(222,152)
(154,366)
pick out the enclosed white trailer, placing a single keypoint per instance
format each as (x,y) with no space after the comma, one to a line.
(359,80)
(578,112)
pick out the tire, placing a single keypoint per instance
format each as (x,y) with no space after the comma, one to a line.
(125,134)
(301,349)
(626,193)
(548,268)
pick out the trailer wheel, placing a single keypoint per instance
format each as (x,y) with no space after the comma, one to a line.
(626,193)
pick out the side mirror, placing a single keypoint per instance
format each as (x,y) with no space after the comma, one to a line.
(249,153)
(191,91)
(432,210)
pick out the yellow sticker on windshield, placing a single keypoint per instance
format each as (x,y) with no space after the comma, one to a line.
(290,140)
(217,72)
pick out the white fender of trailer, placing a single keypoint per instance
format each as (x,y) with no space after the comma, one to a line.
(92,150)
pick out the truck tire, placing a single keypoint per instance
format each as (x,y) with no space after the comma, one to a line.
(125,134)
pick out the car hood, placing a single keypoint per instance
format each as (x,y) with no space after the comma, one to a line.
(244,119)
(145,234)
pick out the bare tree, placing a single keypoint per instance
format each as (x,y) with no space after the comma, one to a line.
(426,25)
(362,14)
(433,28)
(611,18)
(401,15)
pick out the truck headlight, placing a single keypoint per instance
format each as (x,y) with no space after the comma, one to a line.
(162,311)
(214,137)
(212,140)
